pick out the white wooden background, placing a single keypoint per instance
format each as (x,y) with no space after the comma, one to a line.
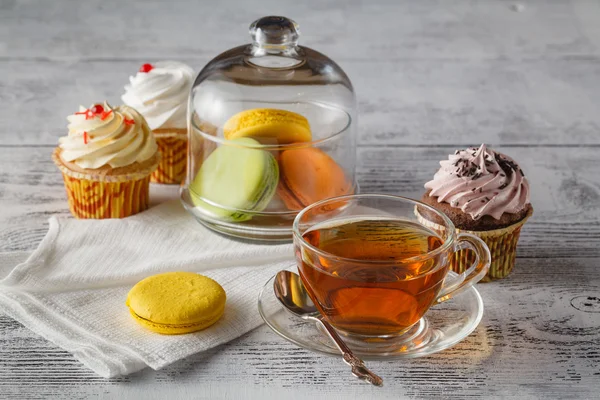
(431,76)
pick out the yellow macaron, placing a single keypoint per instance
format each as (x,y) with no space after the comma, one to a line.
(271,125)
(176,302)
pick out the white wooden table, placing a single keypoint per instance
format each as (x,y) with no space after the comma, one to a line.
(431,76)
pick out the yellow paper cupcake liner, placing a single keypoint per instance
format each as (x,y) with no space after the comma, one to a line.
(92,199)
(501,242)
(172,168)
(106,196)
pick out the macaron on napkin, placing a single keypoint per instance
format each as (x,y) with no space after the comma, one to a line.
(175,303)
(73,290)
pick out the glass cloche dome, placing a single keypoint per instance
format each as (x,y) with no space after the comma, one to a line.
(271,129)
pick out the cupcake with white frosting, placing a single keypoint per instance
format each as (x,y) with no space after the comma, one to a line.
(106,161)
(160,93)
(484,193)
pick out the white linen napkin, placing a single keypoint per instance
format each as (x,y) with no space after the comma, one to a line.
(72,289)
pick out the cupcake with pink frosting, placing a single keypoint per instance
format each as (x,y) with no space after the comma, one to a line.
(484,193)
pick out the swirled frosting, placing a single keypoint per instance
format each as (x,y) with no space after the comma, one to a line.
(480,182)
(161,94)
(102,135)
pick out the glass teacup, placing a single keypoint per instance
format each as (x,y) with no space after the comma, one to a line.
(372,269)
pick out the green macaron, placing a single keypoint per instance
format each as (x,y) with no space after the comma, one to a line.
(236,180)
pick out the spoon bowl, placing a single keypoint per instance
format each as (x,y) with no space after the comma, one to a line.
(290,291)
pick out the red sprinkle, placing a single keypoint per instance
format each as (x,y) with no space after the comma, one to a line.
(105,114)
(88,114)
(146,68)
(129,121)
(85,137)
(97,109)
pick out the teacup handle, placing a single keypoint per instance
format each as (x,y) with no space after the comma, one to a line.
(474,273)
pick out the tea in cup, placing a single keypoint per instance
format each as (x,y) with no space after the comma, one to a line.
(372,269)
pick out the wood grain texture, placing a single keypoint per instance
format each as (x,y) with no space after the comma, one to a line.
(564,185)
(388,29)
(431,76)
(531,342)
(420,102)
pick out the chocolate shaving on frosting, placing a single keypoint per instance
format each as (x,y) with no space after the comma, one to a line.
(483,175)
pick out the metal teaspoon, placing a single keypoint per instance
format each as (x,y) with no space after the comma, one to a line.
(290,291)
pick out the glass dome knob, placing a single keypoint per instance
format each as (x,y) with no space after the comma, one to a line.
(274,31)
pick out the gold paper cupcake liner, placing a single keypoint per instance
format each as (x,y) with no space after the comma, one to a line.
(93,199)
(501,242)
(106,196)
(172,168)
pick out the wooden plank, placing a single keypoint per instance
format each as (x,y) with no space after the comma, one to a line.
(564,183)
(532,343)
(435,29)
(406,102)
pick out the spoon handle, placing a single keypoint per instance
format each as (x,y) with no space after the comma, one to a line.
(359,369)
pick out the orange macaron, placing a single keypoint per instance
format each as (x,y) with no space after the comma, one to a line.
(308,175)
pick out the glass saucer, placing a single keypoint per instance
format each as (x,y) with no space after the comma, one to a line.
(443,326)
